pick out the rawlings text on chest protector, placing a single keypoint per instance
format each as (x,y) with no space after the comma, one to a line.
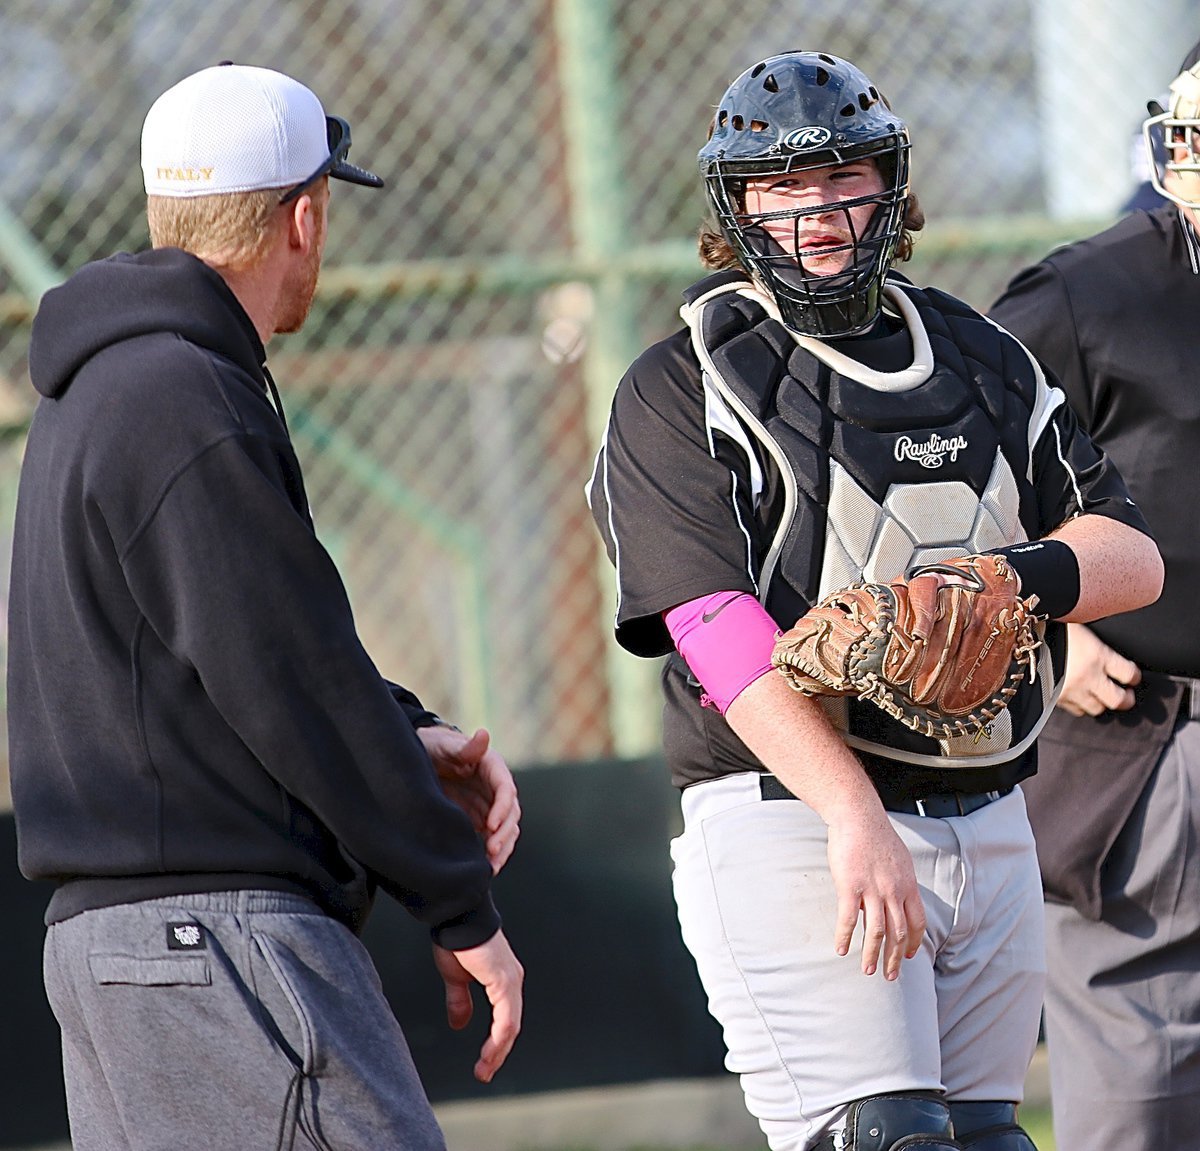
(878,472)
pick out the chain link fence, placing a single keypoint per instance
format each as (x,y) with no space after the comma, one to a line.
(449,391)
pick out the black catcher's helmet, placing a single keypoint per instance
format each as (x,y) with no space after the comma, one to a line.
(790,113)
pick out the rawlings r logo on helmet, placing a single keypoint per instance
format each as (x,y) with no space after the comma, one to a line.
(801,139)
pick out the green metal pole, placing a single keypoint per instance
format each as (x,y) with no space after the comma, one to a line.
(591,111)
(462,540)
(29,267)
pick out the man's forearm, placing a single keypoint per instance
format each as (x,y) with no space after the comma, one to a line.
(1119,567)
(795,741)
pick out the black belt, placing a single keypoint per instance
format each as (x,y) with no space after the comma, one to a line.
(941,805)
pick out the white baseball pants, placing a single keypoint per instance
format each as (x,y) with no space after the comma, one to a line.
(805,1030)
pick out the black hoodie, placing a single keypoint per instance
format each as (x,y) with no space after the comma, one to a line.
(190,708)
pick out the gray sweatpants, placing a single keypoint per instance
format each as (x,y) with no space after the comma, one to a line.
(1123,996)
(246,1021)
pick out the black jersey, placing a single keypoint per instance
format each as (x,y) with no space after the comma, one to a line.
(784,469)
(1115,316)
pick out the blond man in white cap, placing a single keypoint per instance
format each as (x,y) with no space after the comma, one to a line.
(204,759)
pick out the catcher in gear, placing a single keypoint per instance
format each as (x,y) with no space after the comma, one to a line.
(817,423)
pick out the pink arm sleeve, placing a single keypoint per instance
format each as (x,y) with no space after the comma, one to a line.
(727,639)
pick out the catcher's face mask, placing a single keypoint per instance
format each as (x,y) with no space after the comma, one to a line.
(816,215)
(800,125)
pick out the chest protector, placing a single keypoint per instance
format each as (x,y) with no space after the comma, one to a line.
(859,474)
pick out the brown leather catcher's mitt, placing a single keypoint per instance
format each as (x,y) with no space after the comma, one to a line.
(944,660)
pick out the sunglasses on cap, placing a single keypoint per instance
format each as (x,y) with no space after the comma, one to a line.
(337,133)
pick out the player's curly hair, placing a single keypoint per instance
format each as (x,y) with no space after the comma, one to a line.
(716,252)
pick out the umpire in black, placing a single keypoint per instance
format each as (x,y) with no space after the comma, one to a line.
(1115,805)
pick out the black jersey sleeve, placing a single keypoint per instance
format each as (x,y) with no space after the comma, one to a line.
(671,495)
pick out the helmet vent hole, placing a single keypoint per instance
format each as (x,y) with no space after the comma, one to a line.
(865,101)
(757,69)
(848,110)
(827,59)
(722,118)
(758,125)
(874,93)
(770,83)
(822,76)
(738,123)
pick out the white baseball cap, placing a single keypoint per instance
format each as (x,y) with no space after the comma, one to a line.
(235,128)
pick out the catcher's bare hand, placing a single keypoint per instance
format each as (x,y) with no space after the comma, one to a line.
(475,776)
(1098,679)
(874,877)
(496,969)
